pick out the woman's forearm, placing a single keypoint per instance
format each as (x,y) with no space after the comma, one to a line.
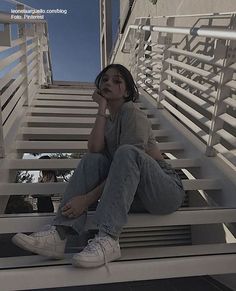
(94,195)
(96,140)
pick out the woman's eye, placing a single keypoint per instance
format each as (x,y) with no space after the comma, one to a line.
(117,81)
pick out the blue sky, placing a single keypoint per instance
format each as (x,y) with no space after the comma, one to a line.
(74,38)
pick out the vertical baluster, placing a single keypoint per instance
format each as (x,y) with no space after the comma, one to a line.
(23,59)
(39,32)
(167,42)
(228,48)
(2,144)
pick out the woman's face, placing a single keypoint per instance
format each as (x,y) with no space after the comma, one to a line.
(112,85)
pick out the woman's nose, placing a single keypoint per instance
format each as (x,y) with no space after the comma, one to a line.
(108,81)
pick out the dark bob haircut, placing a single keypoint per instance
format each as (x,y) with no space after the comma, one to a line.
(131,87)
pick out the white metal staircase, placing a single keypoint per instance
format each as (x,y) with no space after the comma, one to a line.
(196,240)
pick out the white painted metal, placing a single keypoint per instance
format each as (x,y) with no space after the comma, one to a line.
(50,133)
(76,146)
(64,91)
(32,164)
(59,187)
(182,77)
(64,97)
(190,96)
(221,33)
(54,276)
(127,254)
(12,223)
(64,104)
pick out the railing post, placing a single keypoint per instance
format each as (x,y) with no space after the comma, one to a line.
(228,47)
(23,47)
(137,50)
(39,31)
(166,41)
(2,143)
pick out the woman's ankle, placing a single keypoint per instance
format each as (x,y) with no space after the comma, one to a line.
(63,231)
(102,233)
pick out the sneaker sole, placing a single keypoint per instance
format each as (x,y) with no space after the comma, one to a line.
(28,247)
(86,264)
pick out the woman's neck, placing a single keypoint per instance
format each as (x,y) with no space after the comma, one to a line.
(114,106)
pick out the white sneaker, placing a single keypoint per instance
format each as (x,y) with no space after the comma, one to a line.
(46,243)
(99,251)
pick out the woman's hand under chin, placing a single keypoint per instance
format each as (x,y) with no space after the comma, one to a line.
(98,98)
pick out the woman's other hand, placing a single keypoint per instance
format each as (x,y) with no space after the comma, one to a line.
(75,207)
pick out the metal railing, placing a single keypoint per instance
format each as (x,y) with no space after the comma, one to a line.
(24,66)
(190,71)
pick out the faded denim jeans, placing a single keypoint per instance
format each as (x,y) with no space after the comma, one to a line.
(131,173)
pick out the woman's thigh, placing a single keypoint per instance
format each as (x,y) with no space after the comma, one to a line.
(158,191)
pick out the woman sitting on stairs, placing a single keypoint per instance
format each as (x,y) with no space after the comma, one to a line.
(123,162)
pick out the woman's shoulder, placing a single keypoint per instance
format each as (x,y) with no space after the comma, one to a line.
(130,107)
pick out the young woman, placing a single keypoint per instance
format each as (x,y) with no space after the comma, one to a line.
(123,162)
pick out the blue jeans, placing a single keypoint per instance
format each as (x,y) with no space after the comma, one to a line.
(131,173)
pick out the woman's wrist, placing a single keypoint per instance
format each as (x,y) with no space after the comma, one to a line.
(90,198)
(101,111)
(101,115)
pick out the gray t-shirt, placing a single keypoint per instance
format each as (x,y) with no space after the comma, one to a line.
(129,126)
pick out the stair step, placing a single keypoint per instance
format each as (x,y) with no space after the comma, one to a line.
(76,146)
(32,222)
(127,255)
(59,187)
(119,271)
(37,164)
(68,91)
(69,111)
(155,232)
(64,104)
(65,97)
(48,133)
(49,121)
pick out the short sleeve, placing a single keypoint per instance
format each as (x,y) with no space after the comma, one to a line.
(134,128)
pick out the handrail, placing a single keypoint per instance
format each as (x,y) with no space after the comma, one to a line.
(192,82)
(194,31)
(213,14)
(202,31)
(23,71)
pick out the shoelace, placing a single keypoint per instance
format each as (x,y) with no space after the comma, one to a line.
(52,229)
(92,245)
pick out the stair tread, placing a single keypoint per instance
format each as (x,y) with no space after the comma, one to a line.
(122,271)
(37,164)
(59,187)
(43,133)
(136,253)
(31,222)
(76,146)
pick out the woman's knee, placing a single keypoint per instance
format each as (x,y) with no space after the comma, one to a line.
(125,151)
(165,206)
(93,159)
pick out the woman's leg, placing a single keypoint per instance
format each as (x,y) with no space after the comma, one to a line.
(132,171)
(91,171)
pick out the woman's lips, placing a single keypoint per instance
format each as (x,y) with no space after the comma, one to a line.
(106,90)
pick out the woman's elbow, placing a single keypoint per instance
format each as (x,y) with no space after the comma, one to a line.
(95,148)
